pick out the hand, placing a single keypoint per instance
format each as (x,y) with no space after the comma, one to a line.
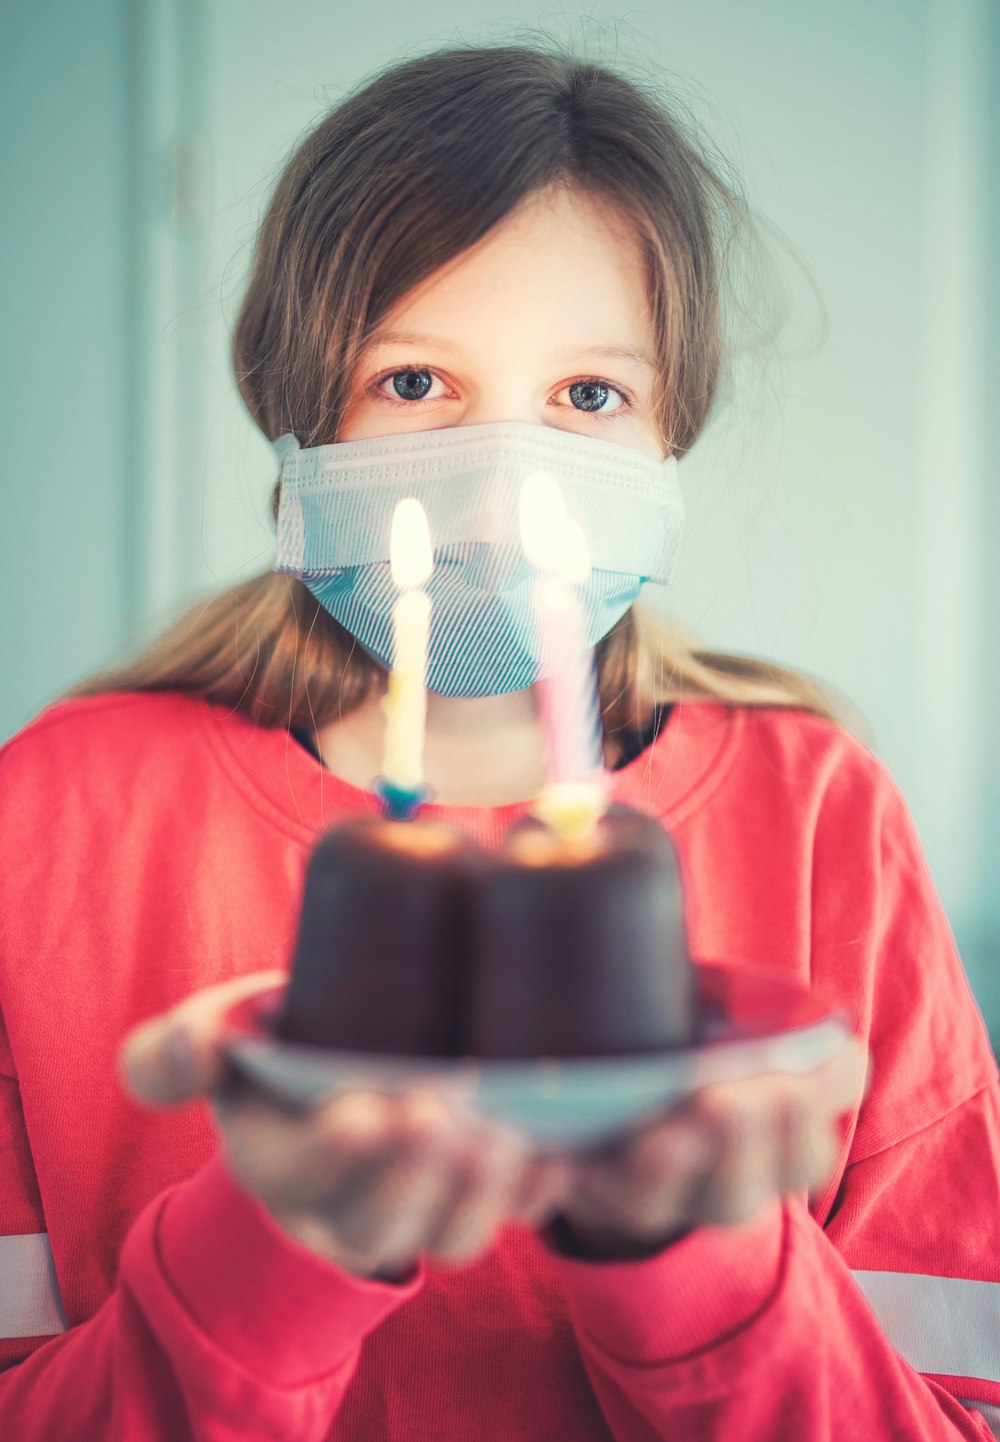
(715,1159)
(366,1181)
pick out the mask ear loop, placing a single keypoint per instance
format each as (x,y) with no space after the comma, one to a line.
(284,446)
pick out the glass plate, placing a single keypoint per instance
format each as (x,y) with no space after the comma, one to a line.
(752,1020)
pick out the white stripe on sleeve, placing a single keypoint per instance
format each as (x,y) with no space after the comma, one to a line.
(944,1325)
(30,1304)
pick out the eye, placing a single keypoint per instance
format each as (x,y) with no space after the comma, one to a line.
(592,395)
(410,384)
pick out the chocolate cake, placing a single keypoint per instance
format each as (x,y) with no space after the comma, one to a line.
(413,942)
(581,948)
(381,959)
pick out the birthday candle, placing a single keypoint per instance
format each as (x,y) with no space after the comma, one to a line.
(405,704)
(567,687)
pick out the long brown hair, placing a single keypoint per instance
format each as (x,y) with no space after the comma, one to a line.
(396,181)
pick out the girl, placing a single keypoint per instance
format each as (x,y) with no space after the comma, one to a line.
(483,248)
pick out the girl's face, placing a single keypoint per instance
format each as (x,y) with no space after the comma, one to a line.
(546,320)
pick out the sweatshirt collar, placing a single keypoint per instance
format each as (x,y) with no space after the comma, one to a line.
(301,797)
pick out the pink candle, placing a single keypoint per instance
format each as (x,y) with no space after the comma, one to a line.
(567,692)
(567,686)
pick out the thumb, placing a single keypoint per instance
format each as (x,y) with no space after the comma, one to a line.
(175,1057)
(849,1077)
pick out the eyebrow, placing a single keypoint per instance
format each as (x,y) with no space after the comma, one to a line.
(610,352)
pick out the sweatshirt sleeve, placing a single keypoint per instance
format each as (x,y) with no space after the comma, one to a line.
(219,1326)
(765,1331)
(872,1310)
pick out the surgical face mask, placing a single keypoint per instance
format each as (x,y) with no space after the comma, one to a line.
(335,518)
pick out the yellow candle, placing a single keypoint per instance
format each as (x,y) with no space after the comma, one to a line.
(405,704)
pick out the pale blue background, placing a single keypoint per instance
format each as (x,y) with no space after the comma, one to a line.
(844,515)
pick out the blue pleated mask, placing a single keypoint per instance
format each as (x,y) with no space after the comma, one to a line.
(335,519)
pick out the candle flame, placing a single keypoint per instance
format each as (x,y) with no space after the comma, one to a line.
(552,541)
(542,515)
(575,557)
(410,552)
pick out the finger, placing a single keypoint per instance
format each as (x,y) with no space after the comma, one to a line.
(777,1137)
(174,1057)
(490,1178)
(841,1082)
(821,1151)
(422,1192)
(652,1183)
(750,1130)
(690,1161)
(543,1189)
(821,1103)
(851,1074)
(300,1162)
(383,1210)
(809,1147)
(394,1214)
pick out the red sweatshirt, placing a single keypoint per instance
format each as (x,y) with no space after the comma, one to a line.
(153,845)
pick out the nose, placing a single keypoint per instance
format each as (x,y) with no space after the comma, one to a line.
(506,403)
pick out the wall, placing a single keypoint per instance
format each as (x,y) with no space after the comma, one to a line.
(840,516)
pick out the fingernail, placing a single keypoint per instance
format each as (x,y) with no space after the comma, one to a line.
(180,1069)
(692,1148)
(357,1111)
